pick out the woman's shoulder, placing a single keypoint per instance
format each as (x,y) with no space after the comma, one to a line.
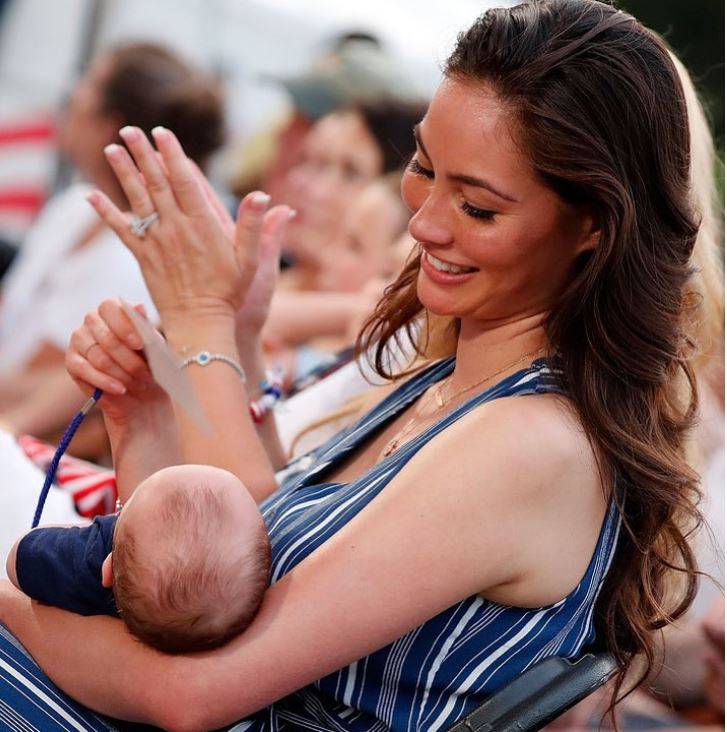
(540,430)
(528,452)
(527,460)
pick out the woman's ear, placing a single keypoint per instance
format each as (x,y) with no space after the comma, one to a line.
(107,571)
(590,234)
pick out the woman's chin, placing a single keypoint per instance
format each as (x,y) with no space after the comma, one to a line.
(434,300)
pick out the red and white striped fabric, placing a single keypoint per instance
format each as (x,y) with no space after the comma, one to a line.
(27,155)
(93,488)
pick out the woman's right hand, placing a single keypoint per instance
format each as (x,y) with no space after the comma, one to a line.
(104,353)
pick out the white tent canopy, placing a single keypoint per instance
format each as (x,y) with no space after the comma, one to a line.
(41,42)
(43,45)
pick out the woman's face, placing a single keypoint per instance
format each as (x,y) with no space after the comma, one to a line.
(85,128)
(480,208)
(366,249)
(339,158)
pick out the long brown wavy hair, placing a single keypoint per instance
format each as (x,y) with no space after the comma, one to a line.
(599,106)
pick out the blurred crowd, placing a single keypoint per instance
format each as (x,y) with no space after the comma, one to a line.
(336,158)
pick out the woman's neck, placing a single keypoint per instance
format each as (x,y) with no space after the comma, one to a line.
(484,349)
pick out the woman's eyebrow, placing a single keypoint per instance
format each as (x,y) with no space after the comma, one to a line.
(468,180)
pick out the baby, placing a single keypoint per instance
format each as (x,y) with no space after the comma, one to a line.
(185,563)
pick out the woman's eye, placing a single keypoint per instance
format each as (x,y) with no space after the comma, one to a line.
(417,168)
(477,213)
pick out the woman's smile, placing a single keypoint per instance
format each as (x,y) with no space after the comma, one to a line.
(443,272)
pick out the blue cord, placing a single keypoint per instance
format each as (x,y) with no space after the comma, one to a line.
(62,447)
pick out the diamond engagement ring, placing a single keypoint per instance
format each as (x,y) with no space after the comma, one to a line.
(140,225)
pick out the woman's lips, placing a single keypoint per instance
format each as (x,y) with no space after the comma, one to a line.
(441,277)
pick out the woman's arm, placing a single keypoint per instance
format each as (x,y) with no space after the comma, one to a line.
(232,441)
(253,314)
(253,361)
(48,406)
(498,516)
(141,446)
(298,317)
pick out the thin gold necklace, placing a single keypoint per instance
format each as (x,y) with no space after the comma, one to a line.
(398,438)
(438,392)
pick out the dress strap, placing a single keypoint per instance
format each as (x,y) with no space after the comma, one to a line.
(341,444)
(540,377)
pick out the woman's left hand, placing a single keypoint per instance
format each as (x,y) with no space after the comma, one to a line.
(253,313)
(190,264)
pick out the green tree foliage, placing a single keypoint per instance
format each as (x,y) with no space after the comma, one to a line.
(695,31)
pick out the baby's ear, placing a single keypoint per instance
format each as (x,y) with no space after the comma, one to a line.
(107,571)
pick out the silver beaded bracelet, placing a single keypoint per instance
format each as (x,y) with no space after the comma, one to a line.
(204,358)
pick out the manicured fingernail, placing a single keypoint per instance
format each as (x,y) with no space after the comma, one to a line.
(92,197)
(161,132)
(128,132)
(119,389)
(292,213)
(260,200)
(112,149)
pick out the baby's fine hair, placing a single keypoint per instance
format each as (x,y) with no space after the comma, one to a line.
(204,591)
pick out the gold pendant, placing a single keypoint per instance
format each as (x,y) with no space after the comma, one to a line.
(390,448)
(394,444)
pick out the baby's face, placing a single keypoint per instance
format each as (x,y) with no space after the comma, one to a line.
(146,515)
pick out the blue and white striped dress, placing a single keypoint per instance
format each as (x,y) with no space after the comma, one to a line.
(425,680)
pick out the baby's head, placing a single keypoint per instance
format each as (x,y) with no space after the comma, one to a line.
(191,559)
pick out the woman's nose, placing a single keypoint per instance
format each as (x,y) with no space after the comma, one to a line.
(430,223)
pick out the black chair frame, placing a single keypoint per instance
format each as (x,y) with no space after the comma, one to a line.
(539,695)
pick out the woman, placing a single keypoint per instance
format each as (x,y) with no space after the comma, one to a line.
(372,227)
(344,152)
(342,155)
(71,260)
(549,192)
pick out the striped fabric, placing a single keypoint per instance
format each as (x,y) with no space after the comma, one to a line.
(27,159)
(29,701)
(92,488)
(437,672)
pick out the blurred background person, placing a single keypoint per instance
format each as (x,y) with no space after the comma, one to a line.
(353,67)
(341,259)
(69,260)
(369,248)
(344,152)
(307,329)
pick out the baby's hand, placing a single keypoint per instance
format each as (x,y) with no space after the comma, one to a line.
(105,353)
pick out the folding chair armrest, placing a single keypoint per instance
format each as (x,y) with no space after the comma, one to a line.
(540,694)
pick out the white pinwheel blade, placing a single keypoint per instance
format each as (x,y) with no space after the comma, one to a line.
(165,367)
